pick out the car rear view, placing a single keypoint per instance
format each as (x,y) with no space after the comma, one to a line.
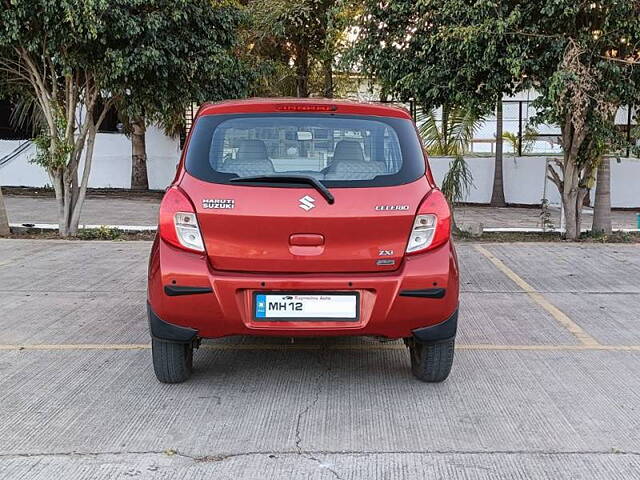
(303,218)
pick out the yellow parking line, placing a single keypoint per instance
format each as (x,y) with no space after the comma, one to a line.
(537,297)
(554,348)
(396,346)
(288,346)
(78,346)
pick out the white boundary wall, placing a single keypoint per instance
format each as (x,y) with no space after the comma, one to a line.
(111,167)
(524,177)
(524,180)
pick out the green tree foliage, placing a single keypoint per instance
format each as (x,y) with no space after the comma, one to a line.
(77,58)
(298,43)
(581,56)
(171,54)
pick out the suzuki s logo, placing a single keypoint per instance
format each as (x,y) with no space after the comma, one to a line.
(307,202)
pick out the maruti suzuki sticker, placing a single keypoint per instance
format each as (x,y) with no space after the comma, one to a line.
(220,203)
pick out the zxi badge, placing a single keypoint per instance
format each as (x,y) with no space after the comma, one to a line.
(307,202)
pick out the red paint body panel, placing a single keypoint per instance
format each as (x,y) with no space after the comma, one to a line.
(227,311)
(267,243)
(271,105)
(254,235)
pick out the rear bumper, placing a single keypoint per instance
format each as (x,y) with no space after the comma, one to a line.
(422,293)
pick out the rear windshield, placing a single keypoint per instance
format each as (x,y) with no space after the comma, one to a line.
(338,150)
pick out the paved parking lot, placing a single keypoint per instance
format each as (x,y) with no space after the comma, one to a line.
(546,382)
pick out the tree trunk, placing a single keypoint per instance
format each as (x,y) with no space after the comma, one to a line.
(570,216)
(139,180)
(582,195)
(302,71)
(602,206)
(56,179)
(445,130)
(74,214)
(4,219)
(571,198)
(497,195)
(327,67)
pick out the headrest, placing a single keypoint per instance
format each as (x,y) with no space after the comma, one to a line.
(348,150)
(251,151)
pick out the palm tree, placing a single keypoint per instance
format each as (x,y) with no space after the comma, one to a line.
(602,205)
(497,195)
(451,137)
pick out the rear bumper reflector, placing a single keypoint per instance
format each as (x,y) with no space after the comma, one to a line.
(176,291)
(426,293)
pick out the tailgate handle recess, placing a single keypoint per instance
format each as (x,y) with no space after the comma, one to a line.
(306,239)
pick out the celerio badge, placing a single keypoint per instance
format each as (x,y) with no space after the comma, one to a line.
(391,207)
(307,203)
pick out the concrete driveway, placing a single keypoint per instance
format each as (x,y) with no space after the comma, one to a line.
(546,381)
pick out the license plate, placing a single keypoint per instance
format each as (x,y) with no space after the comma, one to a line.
(307,306)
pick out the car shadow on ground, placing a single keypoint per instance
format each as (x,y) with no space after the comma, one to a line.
(361,359)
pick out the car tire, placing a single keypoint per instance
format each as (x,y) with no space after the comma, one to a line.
(172,362)
(431,362)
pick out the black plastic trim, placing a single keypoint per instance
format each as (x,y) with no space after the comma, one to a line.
(425,293)
(176,291)
(168,332)
(438,333)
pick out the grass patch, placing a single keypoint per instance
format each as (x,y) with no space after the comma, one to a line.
(615,237)
(100,233)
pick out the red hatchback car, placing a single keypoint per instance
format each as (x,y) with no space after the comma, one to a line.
(294,218)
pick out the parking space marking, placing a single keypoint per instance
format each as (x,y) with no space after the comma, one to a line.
(540,299)
(78,346)
(289,346)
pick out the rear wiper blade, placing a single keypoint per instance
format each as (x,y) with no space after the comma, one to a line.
(290,180)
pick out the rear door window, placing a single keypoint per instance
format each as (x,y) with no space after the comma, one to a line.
(341,151)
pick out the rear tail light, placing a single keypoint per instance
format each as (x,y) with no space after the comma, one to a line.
(432,225)
(178,221)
